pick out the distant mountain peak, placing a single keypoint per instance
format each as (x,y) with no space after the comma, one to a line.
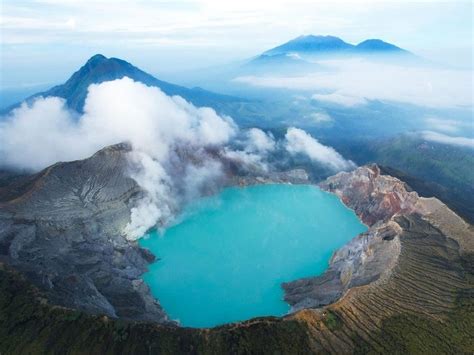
(96,58)
(101,61)
(99,69)
(378,45)
(317,44)
(318,38)
(311,43)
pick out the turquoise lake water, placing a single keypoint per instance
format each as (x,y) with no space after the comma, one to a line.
(226,257)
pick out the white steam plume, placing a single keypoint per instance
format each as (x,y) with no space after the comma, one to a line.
(298,141)
(256,146)
(45,132)
(37,135)
(158,203)
(177,148)
(259,141)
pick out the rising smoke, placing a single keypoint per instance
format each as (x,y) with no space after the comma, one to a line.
(177,152)
(298,141)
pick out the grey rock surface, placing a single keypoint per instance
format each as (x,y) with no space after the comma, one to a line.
(64,231)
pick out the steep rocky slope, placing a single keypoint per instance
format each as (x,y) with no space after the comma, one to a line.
(63,229)
(406,284)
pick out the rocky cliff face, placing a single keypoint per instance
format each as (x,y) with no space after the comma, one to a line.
(63,229)
(383,203)
(374,197)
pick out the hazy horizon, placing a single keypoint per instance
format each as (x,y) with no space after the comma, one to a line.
(164,37)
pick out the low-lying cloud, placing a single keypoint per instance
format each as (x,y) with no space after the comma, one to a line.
(340,99)
(45,132)
(450,140)
(352,82)
(298,141)
(178,149)
(320,118)
(448,125)
(259,141)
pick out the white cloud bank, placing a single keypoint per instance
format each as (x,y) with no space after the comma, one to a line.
(445,139)
(298,141)
(341,99)
(177,147)
(156,125)
(448,125)
(259,141)
(352,82)
(45,132)
(320,118)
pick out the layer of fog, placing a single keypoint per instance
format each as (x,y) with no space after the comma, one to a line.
(351,82)
(445,139)
(450,126)
(178,149)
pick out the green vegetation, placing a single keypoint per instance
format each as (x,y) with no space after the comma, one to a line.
(452,333)
(30,326)
(409,334)
(332,321)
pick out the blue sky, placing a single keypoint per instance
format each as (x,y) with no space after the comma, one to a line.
(44,41)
